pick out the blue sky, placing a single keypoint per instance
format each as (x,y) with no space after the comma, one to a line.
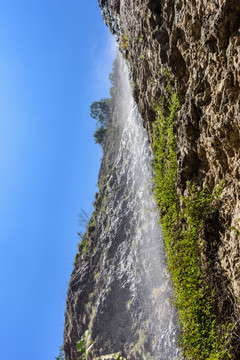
(55,57)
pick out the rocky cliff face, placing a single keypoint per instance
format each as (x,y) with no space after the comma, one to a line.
(120,287)
(198,43)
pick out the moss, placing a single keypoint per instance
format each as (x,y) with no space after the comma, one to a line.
(204,336)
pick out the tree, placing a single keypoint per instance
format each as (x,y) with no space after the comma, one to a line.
(99,135)
(100,111)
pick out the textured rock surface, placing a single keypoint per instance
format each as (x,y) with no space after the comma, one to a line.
(198,43)
(120,288)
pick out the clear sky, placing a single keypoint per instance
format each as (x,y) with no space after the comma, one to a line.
(55,57)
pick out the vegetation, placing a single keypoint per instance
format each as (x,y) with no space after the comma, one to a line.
(61,355)
(100,111)
(124,42)
(83,221)
(235,229)
(84,347)
(203,336)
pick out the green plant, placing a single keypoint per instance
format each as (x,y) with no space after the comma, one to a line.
(61,355)
(124,42)
(203,337)
(84,347)
(235,229)
(99,135)
(100,111)
(140,39)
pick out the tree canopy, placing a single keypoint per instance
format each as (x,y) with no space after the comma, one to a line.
(100,111)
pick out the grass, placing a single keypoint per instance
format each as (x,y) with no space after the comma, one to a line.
(204,336)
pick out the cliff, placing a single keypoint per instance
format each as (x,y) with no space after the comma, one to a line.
(197,44)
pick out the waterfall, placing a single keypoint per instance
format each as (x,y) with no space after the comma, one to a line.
(123,280)
(147,251)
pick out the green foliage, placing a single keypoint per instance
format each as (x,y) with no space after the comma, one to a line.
(235,229)
(202,337)
(61,355)
(140,39)
(124,42)
(84,347)
(100,111)
(99,135)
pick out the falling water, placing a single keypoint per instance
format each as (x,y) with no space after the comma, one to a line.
(134,168)
(120,288)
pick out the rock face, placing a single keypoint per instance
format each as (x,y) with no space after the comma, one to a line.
(120,287)
(198,43)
